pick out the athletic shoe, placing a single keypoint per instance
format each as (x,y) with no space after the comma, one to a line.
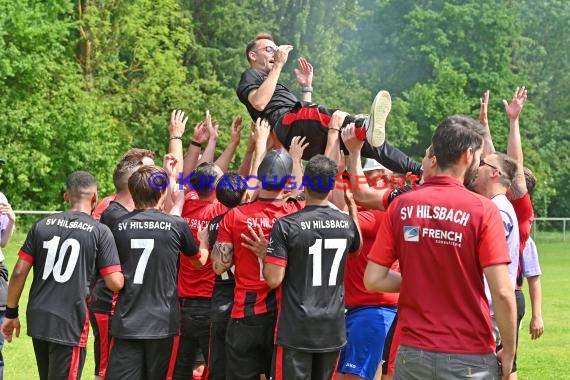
(376,123)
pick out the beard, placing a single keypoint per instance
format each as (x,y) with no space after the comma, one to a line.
(471,175)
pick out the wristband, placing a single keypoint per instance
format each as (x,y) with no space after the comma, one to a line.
(307,89)
(11,312)
(196,144)
(176,138)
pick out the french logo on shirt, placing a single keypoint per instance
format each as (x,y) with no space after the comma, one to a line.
(411,233)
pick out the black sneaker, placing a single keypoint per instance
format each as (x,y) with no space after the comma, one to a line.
(375,125)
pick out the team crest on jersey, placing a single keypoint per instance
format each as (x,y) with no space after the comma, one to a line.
(411,233)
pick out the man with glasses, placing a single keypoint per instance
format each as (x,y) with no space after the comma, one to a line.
(494,178)
(264,97)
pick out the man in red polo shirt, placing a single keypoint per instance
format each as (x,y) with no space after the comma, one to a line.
(445,237)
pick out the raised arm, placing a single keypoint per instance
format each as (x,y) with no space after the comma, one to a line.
(260,97)
(200,137)
(212,126)
(488,147)
(225,158)
(364,195)
(514,144)
(245,167)
(176,130)
(304,76)
(296,150)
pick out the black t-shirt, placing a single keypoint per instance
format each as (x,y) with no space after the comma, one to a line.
(149,242)
(223,295)
(101,297)
(312,244)
(281,102)
(66,250)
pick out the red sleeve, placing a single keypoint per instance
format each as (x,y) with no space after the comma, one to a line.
(110,269)
(492,248)
(224,233)
(26,257)
(276,260)
(525,217)
(383,251)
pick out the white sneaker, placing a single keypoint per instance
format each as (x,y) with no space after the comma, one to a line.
(376,123)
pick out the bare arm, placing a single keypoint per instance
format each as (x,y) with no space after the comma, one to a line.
(212,126)
(260,97)
(503,296)
(176,130)
(225,158)
(204,247)
(114,281)
(191,160)
(378,278)
(364,195)
(535,291)
(6,234)
(245,167)
(273,274)
(222,257)
(514,144)
(296,150)
(488,147)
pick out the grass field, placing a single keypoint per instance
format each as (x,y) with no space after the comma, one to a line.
(546,358)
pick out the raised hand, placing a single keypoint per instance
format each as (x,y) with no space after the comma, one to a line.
(261,131)
(200,133)
(514,109)
(297,147)
(212,126)
(236,128)
(304,73)
(351,141)
(282,54)
(177,123)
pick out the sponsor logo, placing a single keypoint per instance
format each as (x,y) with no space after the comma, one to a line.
(411,233)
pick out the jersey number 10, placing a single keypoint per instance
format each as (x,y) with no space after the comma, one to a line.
(316,251)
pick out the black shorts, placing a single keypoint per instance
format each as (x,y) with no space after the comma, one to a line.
(389,355)
(289,363)
(194,335)
(102,341)
(306,120)
(139,358)
(249,346)
(217,355)
(58,361)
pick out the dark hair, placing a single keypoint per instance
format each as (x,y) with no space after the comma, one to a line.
(454,136)
(144,195)
(530,179)
(253,43)
(79,182)
(137,154)
(230,189)
(203,179)
(122,172)
(508,168)
(320,175)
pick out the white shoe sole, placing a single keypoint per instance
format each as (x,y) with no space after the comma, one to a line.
(376,131)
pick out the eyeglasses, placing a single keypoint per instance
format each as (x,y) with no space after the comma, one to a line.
(268,49)
(482,163)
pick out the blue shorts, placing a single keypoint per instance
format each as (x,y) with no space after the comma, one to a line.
(366,329)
